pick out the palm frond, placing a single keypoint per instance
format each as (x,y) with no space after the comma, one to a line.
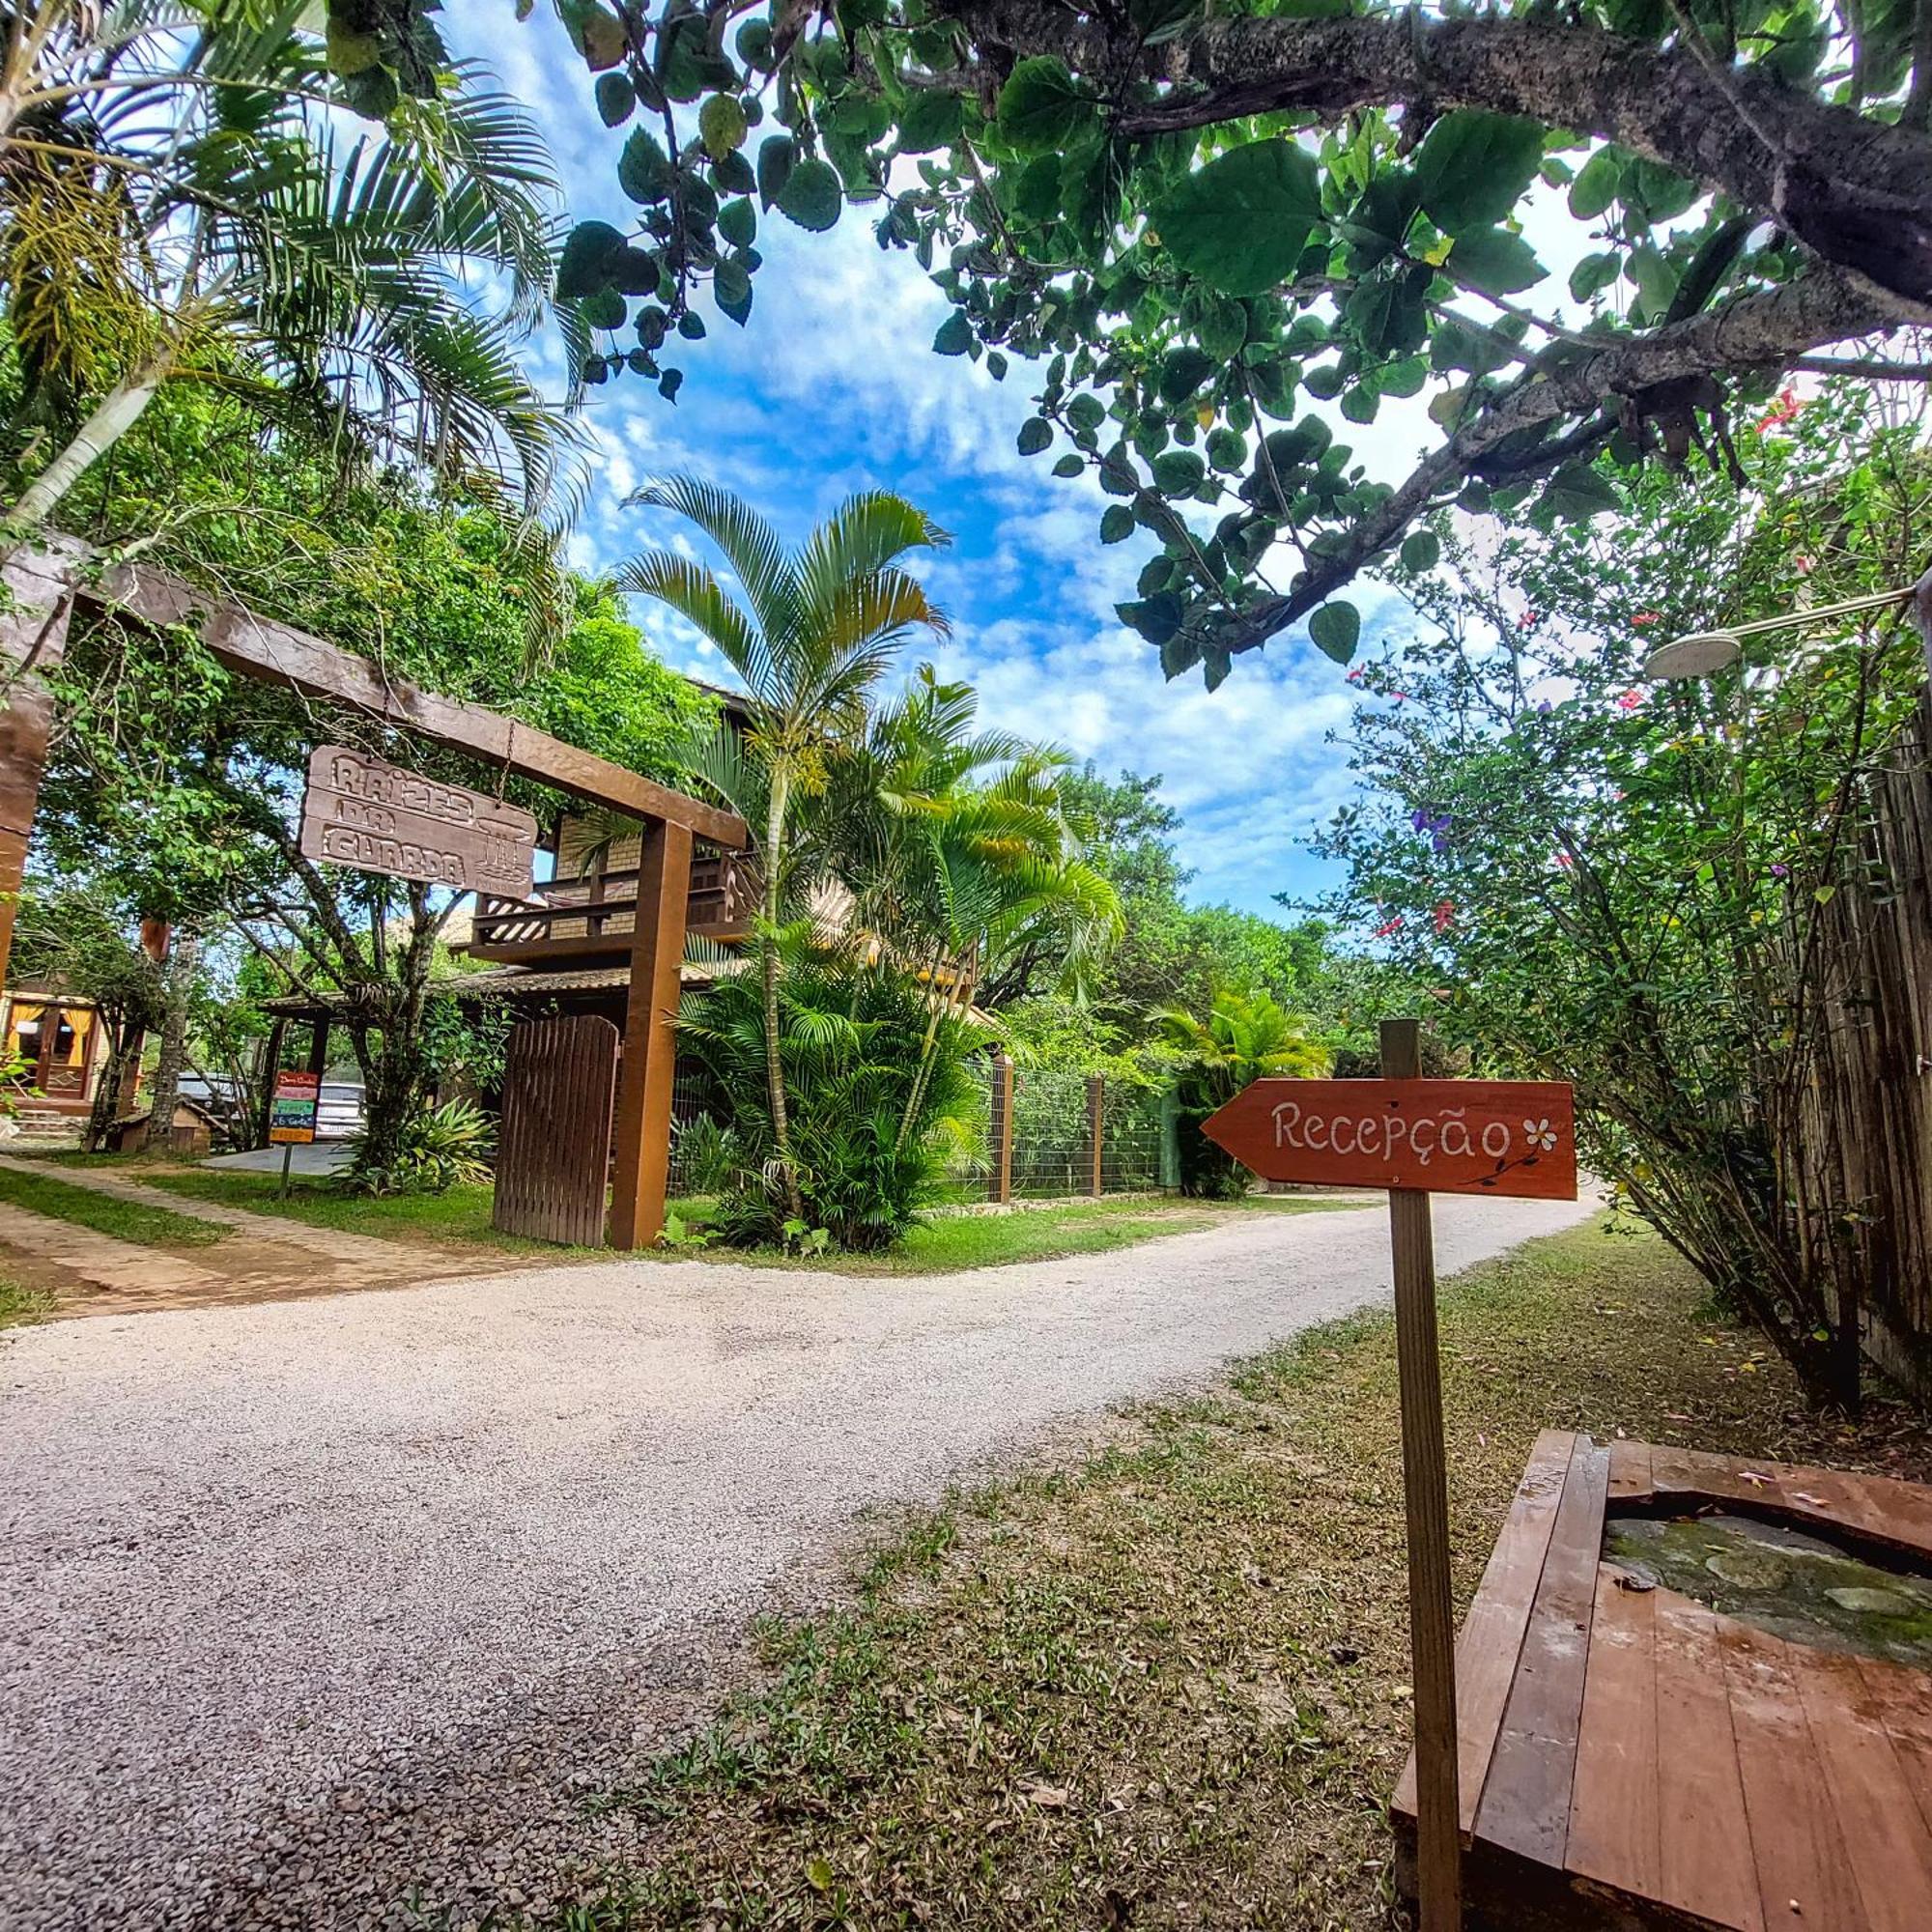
(750,546)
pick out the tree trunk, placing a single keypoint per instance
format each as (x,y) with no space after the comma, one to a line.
(177,983)
(114,416)
(774,1060)
(395,1069)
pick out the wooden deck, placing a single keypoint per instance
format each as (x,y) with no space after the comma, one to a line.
(1630,1758)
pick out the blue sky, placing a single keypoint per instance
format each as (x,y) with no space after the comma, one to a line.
(833,386)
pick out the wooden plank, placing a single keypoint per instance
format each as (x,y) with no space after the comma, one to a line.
(1887,1847)
(1431,1617)
(279,654)
(1803,1873)
(1903,1698)
(1704,1853)
(650,1040)
(1491,1639)
(1525,1804)
(1630,1471)
(1613,1834)
(1896,1514)
(553,1146)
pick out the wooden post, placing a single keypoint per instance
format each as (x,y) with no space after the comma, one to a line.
(1096,1128)
(650,1038)
(272,1059)
(1000,1130)
(33,634)
(1426,1497)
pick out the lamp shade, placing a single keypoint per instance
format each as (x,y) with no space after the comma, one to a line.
(1696,656)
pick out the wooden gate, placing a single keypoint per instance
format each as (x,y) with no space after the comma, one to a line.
(554,1147)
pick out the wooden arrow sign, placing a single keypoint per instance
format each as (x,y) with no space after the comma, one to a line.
(1415,1138)
(1434,1136)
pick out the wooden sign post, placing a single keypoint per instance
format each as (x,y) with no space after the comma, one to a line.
(1415,1138)
(294,1109)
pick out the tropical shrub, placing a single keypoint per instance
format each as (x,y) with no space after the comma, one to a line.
(879,1093)
(1244,1037)
(1624,884)
(436,1149)
(704,1154)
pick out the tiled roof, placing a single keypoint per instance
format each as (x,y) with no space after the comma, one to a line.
(500,982)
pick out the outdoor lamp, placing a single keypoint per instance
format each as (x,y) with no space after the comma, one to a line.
(1705,652)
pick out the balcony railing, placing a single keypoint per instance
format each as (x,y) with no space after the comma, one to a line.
(589,922)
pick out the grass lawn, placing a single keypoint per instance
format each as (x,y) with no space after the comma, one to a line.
(21,1304)
(454,1221)
(461,1219)
(154,1227)
(1167,1686)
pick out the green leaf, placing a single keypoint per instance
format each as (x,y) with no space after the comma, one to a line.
(1335,629)
(1361,403)
(1086,412)
(931,120)
(1228,450)
(1420,551)
(1240,224)
(778,155)
(1038,195)
(644,169)
(811,195)
(1223,329)
(956,335)
(691,325)
(584,267)
(738,223)
(721,126)
(1577,493)
(1472,168)
(1036,435)
(1592,275)
(1178,472)
(1069,465)
(1117,524)
(1157,618)
(596,32)
(1496,262)
(616,100)
(754,45)
(1182,371)
(605,309)
(1596,184)
(1041,110)
(731,286)
(1654,278)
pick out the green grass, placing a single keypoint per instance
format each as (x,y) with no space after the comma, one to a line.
(21,1304)
(1167,1686)
(458,1219)
(154,1227)
(461,1218)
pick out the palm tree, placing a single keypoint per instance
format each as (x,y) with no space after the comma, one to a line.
(956,865)
(817,629)
(179,203)
(1246,1036)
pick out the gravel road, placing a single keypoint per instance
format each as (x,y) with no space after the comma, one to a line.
(312,1602)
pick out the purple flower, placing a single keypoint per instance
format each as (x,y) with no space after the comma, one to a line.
(1544,708)
(1440,843)
(1780,871)
(1419,820)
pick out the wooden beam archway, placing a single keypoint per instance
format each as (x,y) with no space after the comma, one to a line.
(45,582)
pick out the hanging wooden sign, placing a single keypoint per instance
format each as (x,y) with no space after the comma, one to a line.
(1437,1136)
(1415,1138)
(360,812)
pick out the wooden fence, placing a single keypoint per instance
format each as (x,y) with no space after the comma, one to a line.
(1866,1125)
(554,1144)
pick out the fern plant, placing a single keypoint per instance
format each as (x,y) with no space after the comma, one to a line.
(438,1148)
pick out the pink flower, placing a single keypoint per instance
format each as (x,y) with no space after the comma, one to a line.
(1629,700)
(1780,412)
(1564,860)
(1529,621)
(1803,565)
(1644,617)
(1388,927)
(1356,675)
(1445,915)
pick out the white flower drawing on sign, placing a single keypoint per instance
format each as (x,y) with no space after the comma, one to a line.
(1539,1134)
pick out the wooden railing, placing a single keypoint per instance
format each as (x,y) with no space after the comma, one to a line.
(589,921)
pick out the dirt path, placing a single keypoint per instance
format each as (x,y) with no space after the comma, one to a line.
(316,1600)
(269,1257)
